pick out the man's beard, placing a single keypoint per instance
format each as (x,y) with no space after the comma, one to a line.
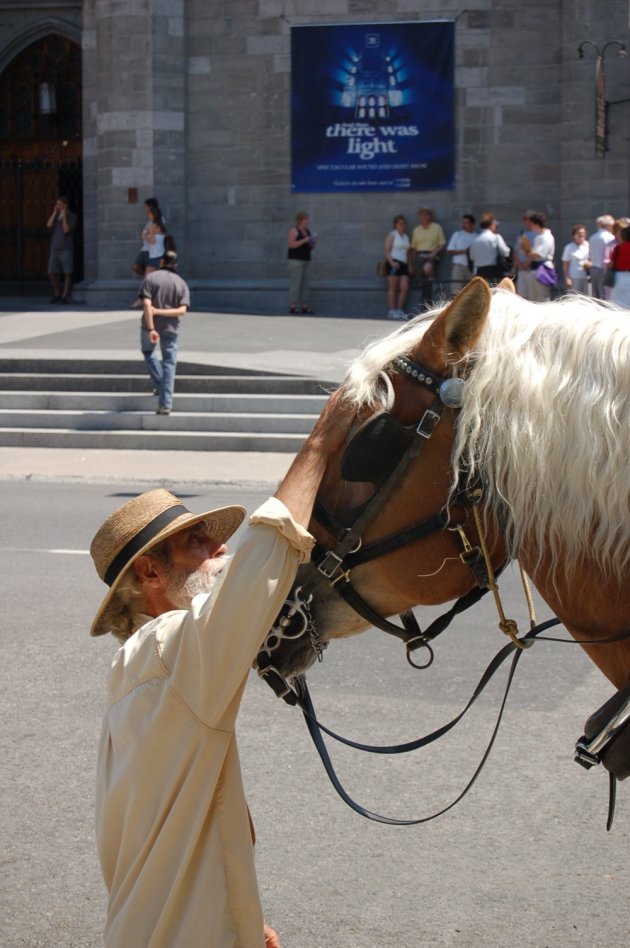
(181,586)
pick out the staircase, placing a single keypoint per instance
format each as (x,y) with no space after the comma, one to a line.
(91,403)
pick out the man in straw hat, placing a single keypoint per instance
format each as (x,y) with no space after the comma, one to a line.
(172,822)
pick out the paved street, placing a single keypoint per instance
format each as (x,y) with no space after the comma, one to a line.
(523,862)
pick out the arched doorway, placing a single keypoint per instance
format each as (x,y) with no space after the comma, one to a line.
(40,156)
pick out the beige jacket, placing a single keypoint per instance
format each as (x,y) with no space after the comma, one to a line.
(171,818)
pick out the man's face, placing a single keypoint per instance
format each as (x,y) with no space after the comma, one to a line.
(60,206)
(193,565)
(467,225)
(425,218)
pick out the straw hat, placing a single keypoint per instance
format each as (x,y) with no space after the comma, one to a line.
(142,523)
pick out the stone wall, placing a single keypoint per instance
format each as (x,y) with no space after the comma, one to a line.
(189,101)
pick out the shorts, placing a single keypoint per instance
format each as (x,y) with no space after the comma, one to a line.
(401,271)
(154,262)
(61,261)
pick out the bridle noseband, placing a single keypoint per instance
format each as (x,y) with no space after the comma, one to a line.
(398,445)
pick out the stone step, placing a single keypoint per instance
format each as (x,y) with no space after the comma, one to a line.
(107,403)
(140,383)
(150,421)
(151,440)
(125,402)
(82,366)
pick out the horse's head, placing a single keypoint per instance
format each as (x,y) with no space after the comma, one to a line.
(393,531)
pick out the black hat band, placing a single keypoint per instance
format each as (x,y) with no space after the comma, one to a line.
(140,540)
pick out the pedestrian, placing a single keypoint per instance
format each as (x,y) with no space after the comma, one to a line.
(576,262)
(522,246)
(620,264)
(599,247)
(62,223)
(153,236)
(397,248)
(457,249)
(172,827)
(301,243)
(427,243)
(165,298)
(489,252)
(541,254)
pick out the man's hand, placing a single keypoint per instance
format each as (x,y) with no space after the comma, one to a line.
(332,426)
(154,336)
(271,938)
(299,488)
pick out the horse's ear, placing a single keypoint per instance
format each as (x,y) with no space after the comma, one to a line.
(458,327)
(506,284)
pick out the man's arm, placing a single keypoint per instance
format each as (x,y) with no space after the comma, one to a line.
(66,221)
(220,637)
(178,311)
(149,311)
(299,488)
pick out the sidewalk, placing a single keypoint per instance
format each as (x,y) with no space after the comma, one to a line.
(318,347)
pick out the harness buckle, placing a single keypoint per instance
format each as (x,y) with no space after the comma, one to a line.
(343,575)
(278,684)
(329,565)
(427,424)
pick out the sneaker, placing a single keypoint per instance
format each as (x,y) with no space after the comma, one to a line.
(64,299)
(392,314)
(163,411)
(155,391)
(401,315)
(55,299)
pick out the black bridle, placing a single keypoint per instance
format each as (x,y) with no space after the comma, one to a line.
(404,444)
(398,445)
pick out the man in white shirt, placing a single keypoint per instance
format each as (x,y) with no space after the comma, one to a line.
(488,249)
(172,826)
(598,244)
(457,250)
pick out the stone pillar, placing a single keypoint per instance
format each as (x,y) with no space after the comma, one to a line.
(134,128)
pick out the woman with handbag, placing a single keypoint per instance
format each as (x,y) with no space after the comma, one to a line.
(620,266)
(540,257)
(397,247)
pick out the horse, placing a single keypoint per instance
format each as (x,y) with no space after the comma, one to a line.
(490,429)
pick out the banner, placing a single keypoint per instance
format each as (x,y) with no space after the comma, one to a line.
(372,107)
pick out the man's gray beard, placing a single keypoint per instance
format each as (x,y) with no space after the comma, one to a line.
(182,587)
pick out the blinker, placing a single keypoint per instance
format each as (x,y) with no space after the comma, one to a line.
(451,393)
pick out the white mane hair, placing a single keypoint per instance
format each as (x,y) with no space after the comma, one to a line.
(545,423)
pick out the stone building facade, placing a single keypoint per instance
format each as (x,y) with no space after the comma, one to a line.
(189,100)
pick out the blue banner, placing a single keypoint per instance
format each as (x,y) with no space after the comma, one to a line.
(372,107)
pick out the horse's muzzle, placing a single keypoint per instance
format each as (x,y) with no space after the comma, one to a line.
(291,646)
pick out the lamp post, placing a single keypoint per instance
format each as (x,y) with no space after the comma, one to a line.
(601,106)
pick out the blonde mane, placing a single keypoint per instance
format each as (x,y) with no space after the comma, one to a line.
(545,422)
